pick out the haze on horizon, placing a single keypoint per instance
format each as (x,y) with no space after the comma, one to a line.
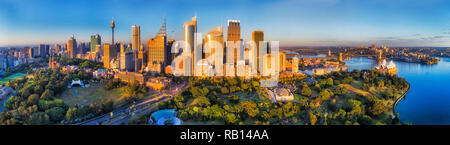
(292,22)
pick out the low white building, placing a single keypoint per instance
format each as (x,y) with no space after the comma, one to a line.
(283,94)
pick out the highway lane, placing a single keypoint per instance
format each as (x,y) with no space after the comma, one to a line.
(123,114)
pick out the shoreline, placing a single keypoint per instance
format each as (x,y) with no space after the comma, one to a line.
(398,100)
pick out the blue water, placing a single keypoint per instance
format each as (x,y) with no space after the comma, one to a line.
(161,117)
(428,101)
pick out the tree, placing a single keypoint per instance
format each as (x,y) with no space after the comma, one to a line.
(306,91)
(250,107)
(231,118)
(107,105)
(178,98)
(38,88)
(224,90)
(9,104)
(312,118)
(197,91)
(353,107)
(130,91)
(347,80)
(340,90)
(202,101)
(233,98)
(380,83)
(85,64)
(47,95)
(325,94)
(71,113)
(289,109)
(317,87)
(329,82)
(33,99)
(56,114)
(377,108)
(39,118)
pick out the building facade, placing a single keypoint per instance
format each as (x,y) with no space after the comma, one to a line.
(109,53)
(95,40)
(72,47)
(257,37)
(189,33)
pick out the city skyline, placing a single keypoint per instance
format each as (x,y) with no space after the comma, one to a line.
(293,23)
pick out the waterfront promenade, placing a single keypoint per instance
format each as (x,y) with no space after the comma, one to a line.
(398,100)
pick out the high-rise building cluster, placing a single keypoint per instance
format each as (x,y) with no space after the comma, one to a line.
(209,54)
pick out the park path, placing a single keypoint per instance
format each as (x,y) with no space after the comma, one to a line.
(398,100)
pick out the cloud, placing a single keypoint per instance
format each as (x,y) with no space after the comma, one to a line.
(431,38)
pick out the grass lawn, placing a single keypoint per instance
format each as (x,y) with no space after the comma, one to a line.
(85,96)
(244,96)
(12,77)
(355,88)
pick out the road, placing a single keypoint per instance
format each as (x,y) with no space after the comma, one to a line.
(123,114)
(271,95)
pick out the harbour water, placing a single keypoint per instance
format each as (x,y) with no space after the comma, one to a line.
(428,101)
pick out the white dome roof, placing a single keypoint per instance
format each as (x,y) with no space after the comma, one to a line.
(391,65)
(384,63)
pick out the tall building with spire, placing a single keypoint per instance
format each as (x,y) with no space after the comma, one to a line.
(113,25)
(72,47)
(159,55)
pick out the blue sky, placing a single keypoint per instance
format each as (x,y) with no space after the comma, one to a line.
(292,22)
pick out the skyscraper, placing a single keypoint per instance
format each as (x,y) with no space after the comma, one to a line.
(56,50)
(141,58)
(234,34)
(158,54)
(127,58)
(72,47)
(234,30)
(135,37)
(213,48)
(109,52)
(257,37)
(82,48)
(282,61)
(136,46)
(95,40)
(295,62)
(189,30)
(127,61)
(42,49)
(31,52)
